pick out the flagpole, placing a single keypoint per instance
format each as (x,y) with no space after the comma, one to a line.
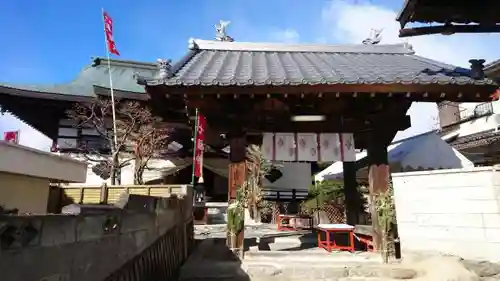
(115,139)
(194,145)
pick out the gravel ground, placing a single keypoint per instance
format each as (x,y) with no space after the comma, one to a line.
(251,231)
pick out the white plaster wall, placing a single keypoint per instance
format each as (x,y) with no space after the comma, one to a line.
(450,211)
(496,106)
(18,159)
(480,124)
(295,176)
(158,167)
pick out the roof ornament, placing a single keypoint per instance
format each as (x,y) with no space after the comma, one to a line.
(220,31)
(192,44)
(165,68)
(96,61)
(375,37)
(477,68)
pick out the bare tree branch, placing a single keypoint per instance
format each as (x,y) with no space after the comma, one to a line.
(139,134)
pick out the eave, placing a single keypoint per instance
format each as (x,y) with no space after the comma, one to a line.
(448,29)
(416,92)
(449,17)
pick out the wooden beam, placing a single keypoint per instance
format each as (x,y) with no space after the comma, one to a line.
(256,122)
(459,12)
(448,30)
(406,12)
(413,92)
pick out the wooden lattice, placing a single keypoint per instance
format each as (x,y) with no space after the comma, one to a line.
(334,212)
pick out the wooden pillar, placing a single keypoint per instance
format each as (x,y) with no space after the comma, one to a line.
(237,169)
(352,197)
(237,174)
(378,178)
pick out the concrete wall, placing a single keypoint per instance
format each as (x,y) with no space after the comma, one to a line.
(17,159)
(27,194)
(450,211)
(478,125)
(92,246)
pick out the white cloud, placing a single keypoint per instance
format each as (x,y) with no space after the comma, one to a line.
(288,35)
(27,136)
(351,21)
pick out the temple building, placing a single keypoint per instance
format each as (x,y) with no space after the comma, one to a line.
(359,93)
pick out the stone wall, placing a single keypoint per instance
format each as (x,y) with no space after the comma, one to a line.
(450,211)
(94,244)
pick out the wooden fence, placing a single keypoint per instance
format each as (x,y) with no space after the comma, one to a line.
(162,260)
(61,195)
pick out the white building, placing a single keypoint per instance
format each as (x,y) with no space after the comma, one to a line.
(472,128)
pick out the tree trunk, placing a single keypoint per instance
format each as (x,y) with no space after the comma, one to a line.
(113,176)
(138,176)
(138,171)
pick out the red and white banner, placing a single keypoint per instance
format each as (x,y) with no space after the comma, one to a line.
(108,30)
(201,124)
(11,136)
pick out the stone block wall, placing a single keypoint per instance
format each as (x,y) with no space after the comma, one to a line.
(450,211)
(92,246)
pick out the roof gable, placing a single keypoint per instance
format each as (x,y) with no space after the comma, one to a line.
(93,76)
(123,72)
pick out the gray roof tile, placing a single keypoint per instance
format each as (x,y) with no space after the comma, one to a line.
(236,63)
(95,76)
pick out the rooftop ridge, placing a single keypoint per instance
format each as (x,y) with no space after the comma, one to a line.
(198,44)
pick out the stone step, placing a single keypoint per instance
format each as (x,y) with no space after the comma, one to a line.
(314,253)
(288,242)
(283,270)
(295,239)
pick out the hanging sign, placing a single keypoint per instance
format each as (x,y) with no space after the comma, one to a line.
(199,144)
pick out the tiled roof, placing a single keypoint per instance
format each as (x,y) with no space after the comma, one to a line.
(236,63)
(475,140)
(91,77)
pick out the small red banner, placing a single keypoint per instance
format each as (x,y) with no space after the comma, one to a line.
(108,30)
(12,136)
(201,123)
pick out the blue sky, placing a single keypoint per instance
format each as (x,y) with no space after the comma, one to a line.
(50,41)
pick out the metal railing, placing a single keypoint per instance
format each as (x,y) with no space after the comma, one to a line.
(479,110)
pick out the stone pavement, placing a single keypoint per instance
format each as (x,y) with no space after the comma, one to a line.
(251,231)
(213,261)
